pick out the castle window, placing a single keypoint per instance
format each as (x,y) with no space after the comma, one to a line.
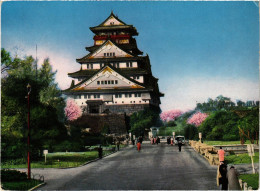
(105,54)
(102,82)
(122,101)
(88,66)
(114,54)
(116,82)
(108,81)
(112,81)
(96,96)
(118,95)
(129,65)
(137,95)
(98,82)
(87,96)
(77,96)
(105,82)
(134,101)
(128,95)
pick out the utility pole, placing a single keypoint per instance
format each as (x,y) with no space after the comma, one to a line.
(28,135)
(36,63)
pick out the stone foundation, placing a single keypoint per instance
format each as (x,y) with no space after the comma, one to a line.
(117,123)
(126,108)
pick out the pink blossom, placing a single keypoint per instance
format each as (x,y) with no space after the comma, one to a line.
(197,118)
(72,110)
(170,115)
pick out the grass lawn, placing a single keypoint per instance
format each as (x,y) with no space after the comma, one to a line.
(223,142)
(241,158)
(61,160)
(251,180)
(21,185)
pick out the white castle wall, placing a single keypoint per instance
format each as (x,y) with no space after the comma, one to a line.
(116,101)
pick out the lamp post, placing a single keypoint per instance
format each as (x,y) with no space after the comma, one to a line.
(28,136)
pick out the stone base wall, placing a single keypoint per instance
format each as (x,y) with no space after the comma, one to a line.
(117,122)
(209,152)
(126,108)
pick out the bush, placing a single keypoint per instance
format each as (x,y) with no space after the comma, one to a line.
(68,146)
(229,137)
(251,180)
(12,175)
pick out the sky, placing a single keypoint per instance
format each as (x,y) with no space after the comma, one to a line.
(198,50)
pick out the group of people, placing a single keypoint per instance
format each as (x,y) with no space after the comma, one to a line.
(227,178)
(155,140)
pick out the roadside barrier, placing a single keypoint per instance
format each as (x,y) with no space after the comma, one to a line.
(207,151)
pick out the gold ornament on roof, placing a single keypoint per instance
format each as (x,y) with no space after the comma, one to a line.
(107,69)
(136,86)
(79,88)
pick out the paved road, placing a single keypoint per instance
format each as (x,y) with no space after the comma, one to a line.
(156,167)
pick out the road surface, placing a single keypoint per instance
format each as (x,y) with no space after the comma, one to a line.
(156,167)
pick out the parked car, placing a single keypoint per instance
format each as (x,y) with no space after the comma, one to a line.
(179,138)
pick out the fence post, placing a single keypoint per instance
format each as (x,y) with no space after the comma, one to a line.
(241,183)
(245,186)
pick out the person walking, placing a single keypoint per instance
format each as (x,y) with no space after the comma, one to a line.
(100,152)
(152,140)
(168,140)
(232,176)
(118,145)
(157,140)
(171,141)
(138,146)
(222,176)
(133,142)
(221,155)
(179,145)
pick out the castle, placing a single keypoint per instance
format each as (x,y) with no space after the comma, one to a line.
(114,77)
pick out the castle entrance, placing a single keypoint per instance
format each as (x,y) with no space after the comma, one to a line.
(95,106)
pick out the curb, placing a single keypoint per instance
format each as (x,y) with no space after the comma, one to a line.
(94,160)
(41,184)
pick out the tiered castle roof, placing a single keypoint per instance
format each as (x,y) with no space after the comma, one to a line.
(113,43)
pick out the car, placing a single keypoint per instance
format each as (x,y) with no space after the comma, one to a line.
(179,138)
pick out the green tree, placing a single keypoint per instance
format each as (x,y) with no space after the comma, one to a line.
(249,126)
(220,125)
(142,121)
(191,132)
(46,106)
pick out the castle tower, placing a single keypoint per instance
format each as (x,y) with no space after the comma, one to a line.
(114,77)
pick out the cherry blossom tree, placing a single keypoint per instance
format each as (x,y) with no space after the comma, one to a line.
(197,118)
(72,110)
(170,115)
